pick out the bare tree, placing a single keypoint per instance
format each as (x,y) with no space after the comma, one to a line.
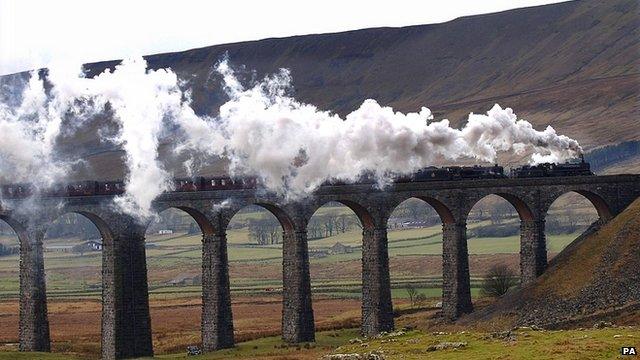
(420,299)
(328,223)
(412,293)
(498,280)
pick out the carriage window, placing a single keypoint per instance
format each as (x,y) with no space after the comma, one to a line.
(223,182)
(213,183)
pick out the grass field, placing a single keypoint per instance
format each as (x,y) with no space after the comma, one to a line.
(522,344)
(79,275)
(525,344)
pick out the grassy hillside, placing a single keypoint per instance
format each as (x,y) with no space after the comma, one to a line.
(572,289)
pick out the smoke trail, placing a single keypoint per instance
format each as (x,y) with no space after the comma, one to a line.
(28,133)
(139,101)
(294,147)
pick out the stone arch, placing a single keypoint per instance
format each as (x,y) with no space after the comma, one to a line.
(443,211)
(15,225)
(19,235)
(36,235)
(198,216)
(586,208)
(283,218)
(599,203)
(276,210)
(364,215)
(218,328)
(532,251)
(376,303)
(524,211)
(98,222)
(97,217)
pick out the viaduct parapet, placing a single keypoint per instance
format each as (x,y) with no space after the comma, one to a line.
(126,325)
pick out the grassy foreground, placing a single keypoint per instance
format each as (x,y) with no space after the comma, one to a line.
(519,344)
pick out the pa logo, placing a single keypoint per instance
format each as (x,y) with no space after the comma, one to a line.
(628,350)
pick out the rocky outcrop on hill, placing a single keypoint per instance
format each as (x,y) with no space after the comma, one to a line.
(595,278)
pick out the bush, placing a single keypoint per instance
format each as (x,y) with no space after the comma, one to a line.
(498,280)
(502,230)
(6,250)
(411,292)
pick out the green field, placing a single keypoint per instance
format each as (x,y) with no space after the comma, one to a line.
(70,274)
(525,344)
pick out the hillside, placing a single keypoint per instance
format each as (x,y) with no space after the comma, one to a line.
(594,278)
(574,65)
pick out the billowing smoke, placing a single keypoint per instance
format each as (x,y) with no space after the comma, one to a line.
(292,147)
(141,102)
(27,136)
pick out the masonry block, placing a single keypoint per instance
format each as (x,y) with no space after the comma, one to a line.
(456,291)
(217,319)
(533,250)
(34,321)
(377,309)
(126,323)
(297,311)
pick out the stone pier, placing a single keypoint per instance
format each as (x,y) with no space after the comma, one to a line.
(377,309)
(217,319)
(456,290)
(297,311)
(126,324)
(533,250)
(34,321)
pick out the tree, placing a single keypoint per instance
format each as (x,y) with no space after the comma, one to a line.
(420,299)
(412,293)
(497,281)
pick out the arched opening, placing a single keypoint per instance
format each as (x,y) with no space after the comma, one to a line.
(335,237)
(493,238)
(72,252)
(569,216)
(415,251)
(9,285)
(254,249)
(173,248)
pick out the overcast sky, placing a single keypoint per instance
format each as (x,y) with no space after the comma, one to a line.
(38,33)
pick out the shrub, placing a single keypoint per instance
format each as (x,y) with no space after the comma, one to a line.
(411,292)
(498,280)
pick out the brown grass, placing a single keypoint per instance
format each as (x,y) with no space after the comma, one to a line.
(579,267)
(75,324)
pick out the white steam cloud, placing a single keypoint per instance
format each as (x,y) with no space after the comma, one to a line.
(140,102)
(293,147)
(27,136)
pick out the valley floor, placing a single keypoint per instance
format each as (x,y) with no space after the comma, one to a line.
(521,343)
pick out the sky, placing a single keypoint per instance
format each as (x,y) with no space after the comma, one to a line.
(36,34)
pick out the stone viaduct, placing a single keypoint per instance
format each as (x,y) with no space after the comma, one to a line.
(126,326)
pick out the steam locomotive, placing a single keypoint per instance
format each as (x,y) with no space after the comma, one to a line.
(433,173)
(581,168)
(451,173)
